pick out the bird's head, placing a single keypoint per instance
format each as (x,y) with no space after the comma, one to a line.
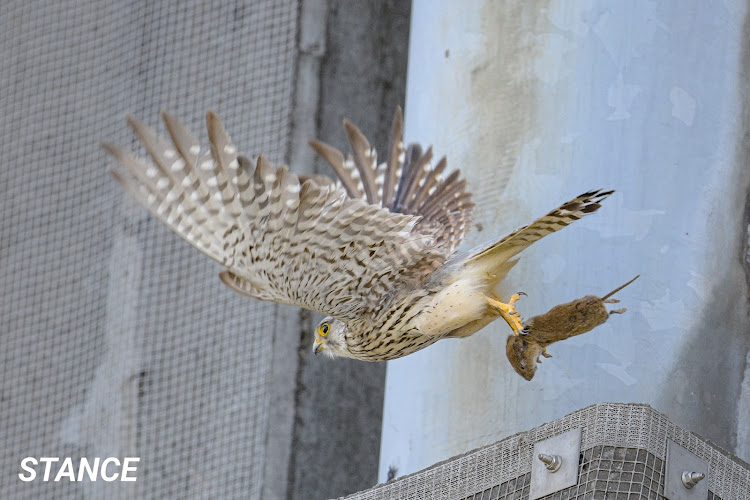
(330,338)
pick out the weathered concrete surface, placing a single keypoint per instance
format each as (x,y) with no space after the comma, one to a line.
(538,101)
(340,402)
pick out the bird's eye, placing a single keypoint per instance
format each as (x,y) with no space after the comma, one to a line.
(323,329)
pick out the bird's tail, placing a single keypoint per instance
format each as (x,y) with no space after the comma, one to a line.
(494,258)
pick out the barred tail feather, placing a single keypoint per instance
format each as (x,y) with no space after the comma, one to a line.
(490,257)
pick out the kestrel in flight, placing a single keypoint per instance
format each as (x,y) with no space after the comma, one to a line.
(375,251)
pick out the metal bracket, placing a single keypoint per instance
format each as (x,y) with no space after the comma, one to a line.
(554,465)
(686,474)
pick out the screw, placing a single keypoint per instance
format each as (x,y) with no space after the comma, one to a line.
(690,479)
(552,462)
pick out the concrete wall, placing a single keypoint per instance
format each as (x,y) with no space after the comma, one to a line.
(361,58)
(536,102)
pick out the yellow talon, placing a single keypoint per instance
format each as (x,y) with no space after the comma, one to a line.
(508,312)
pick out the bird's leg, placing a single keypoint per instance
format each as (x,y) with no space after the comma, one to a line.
(508,312)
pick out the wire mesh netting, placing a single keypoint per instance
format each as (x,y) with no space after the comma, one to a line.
(623,451)
(615,472)
(118,339)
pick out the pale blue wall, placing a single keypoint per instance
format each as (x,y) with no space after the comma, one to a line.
(537,102)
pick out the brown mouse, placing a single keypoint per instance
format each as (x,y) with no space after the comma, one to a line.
(559,323)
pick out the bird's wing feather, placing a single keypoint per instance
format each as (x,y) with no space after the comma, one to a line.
(345,169)
(405,183)
(301,243)
(394,160)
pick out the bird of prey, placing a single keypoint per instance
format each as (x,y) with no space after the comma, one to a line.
(375,252)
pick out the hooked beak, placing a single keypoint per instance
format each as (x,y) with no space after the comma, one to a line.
(317,347)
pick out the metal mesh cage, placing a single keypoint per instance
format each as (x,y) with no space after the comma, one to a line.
(623,452)
(114,342)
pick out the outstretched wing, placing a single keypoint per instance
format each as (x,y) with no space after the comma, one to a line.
(301,243)
(405,183)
